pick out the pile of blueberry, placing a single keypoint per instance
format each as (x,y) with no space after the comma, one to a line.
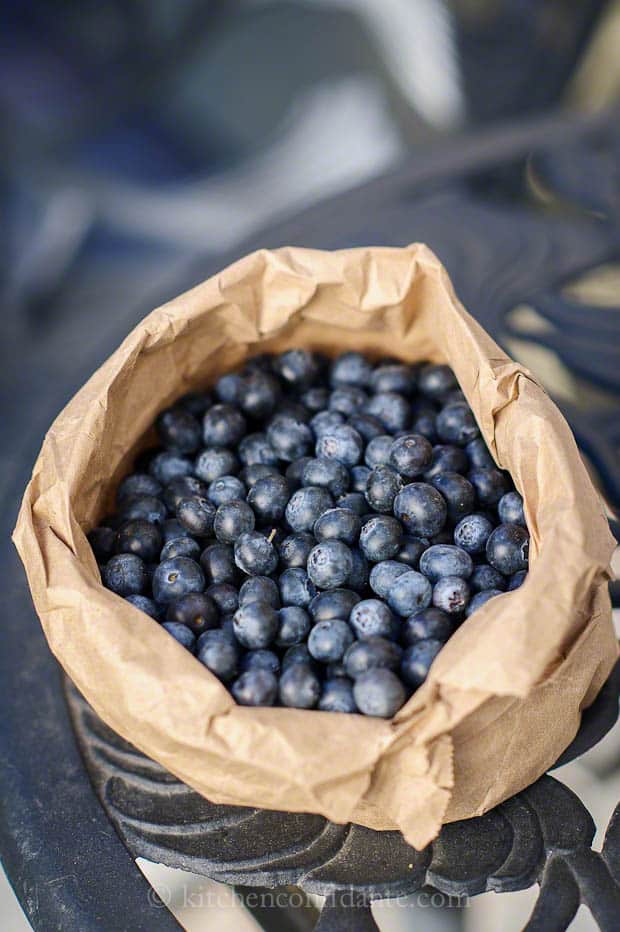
(314,531)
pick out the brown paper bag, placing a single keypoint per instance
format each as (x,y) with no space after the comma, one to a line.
(503,698)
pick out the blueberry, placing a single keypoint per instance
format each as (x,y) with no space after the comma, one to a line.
(316,398)
(294,626)
(260,589)
(421,509)
(139,537)
(144,508)
(411,549)
(177,577)
(378,451)
(411,455)
(137,485)
(333,670)
(445,560)
(218,563)
(424,424)
(341,443)
(326,474)
(451,594)
(456,424)
(359,477)
(255,554)
(367,426)
(380,538)
(260,659)
(299,687)
(379,692)
(181,634)
(436,381)
(371,653)
(255,448)
(392,409)
(172,529)
(231,520)
(508,548)
(183,487)
(296,588)
(219,653)
(328,641)
(382,487)
(337,696)
(146,605)
(256,624)
(510,509)
(225,596)
(255,687)
(515,580)
(269,497)
(289,437)
(360,571)
(338,524)
(250,475)
(103,541)
(486,577)
(258,395)
(371,618)
(288,407)
(295,549)
(195,402)
(214,463)
(458,492)
(297,367)
(297,653)
(490,485)
(305,506)
(393,378)
(347,400)
(478,454)
(228,387)
(410,593)
(225,489)
(446,458)
(353,501)
(472,533)
(350,369)
(329,564)
(429,623)
(197,515)
(195,610)
(417,661)
(480,599)
(168,466)
(337,603)
(126,574)
(294,472)
(178,430)
(325,421)
(223,426)
(384,574)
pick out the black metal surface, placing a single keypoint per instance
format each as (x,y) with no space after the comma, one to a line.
(67,865)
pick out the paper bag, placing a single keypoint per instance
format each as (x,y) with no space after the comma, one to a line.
(505,694)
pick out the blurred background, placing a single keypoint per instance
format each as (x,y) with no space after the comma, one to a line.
(144,138)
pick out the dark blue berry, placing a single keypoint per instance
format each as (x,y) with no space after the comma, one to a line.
(255,554)
(183,487)
(445,560)
(144,508)
(250,475)
(337,603)
(359,477)
(296,588)
(325,421)
(172,529)
(421,509)
(379,692)
(328,641)
(294,626)
(329,564)
(472,533)
(299,687)
(255,687)
(196,610)
(360,571)
(315,399)
(269,497)
(377,451)
(103,542)
(490,485)
(393,377)
(409,593)
(256,448)
(367,426)
(126,574)
(337,696)
(288,407)
(428,623)
(411,455)
(372,618)
(196,402)
(225,596)
(295,549)
(136,486)
(223,426)
(350,369)
(486,577)
(225,489)
(289,437)
(417,661)
(480,599)
(146,605)
(256,624)
(168,466)
(305,506)
(258,394)
(197,515)
(446,458)
(178,430)
(215,462)
(338,524)
(385,573)
(294,472)
(260,659)
(458,492)
(296,367)
(219,653)
(451,594)
(353,501)
(391,409)
(139,537)
(341,443)
(371,653)
(228,387)
(177,577)
(510,509)
(515,580)
(380,538)
(326,474)
(436,381)
(181,634)
(347,400)
(508,548)
(260,589)
(218,563)
(231,520)
(411,549)
(456,424)
(478,454)
(382,487)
